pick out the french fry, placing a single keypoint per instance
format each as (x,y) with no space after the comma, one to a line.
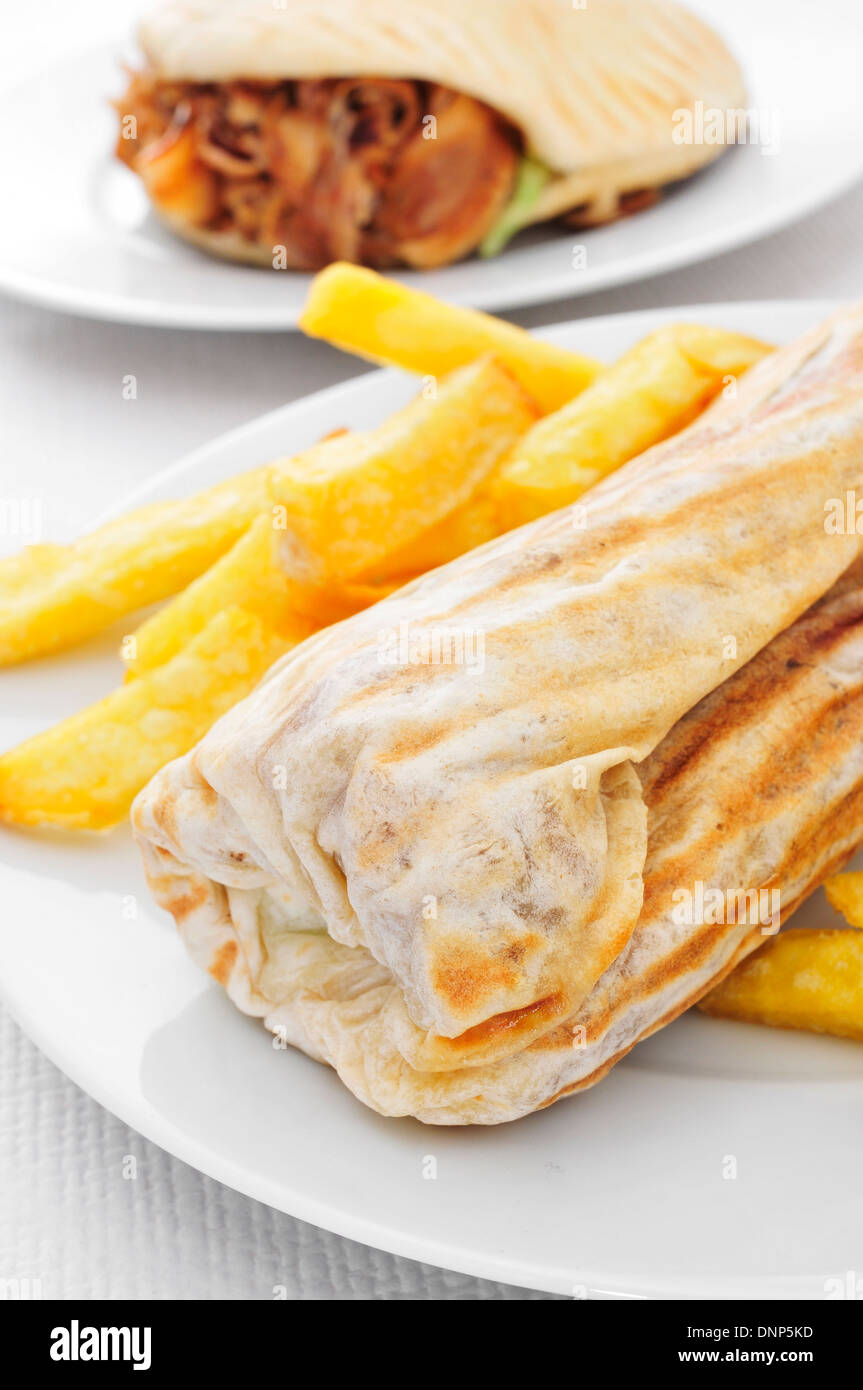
(722,352)
(385,322)
(470,525)
(351,502)
(248,576)
(845,893)
(34,562)
(61,595)
(808,978)
(362,593)
(650,393)
(83,773)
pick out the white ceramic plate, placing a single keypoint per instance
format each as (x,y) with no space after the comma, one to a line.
(619,1191)
(82,238)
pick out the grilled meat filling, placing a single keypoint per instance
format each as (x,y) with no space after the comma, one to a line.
(369,170)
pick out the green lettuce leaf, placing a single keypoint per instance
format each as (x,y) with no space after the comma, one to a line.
(530,180)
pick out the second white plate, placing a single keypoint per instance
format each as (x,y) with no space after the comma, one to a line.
(620,1192)
(82,237)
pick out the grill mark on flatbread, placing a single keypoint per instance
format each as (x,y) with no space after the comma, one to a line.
(762,684)
(584,1083)
(668,969)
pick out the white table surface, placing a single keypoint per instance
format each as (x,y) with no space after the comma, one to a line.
(68,1217)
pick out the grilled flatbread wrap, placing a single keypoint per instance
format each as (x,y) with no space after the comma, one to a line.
(345,165)
(758,790)
(476,835)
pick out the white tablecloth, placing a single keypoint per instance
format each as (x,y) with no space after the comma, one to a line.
(67,1216)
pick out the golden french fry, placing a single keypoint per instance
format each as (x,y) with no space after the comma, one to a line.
(34,562)
(722,352)
(351,502)
(64,594)
(653,391)
(246,577)
(845,893)
(470,525)
(249,577)
(807,978)
(384,321)
(362,593)
(83,773)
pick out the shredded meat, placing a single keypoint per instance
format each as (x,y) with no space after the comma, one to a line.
(370,170)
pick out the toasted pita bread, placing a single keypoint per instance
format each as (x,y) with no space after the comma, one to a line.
(597,92)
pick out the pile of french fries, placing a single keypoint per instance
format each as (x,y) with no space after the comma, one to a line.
(505,429)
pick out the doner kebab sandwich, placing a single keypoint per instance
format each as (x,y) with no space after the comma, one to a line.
(404,132)
(458,884)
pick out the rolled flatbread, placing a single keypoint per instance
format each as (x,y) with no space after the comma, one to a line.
(474,837)
(755,795)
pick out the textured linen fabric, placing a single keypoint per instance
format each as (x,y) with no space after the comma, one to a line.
(76,1224)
